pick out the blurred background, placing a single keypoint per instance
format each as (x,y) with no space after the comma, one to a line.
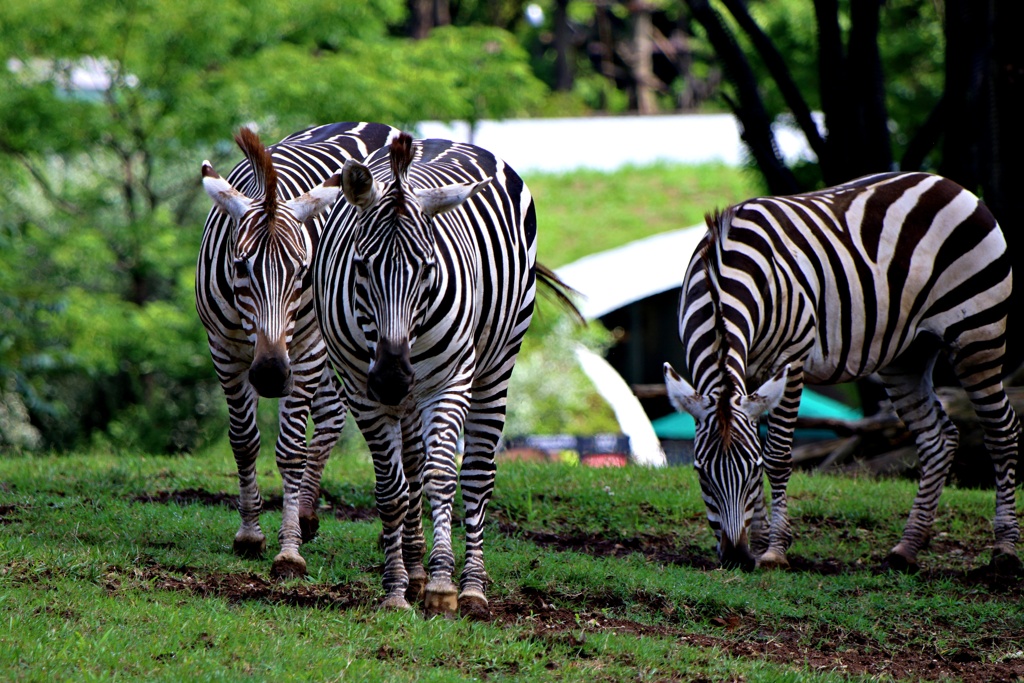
(108,108)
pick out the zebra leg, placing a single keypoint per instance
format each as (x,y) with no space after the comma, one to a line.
(910,390)
(328,412)
(244,435)
(413,544)
(979,369)
(291,454)
(778,462)
(444,421)
(383,434)
(484,426)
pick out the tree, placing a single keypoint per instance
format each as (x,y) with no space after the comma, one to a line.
(107,109)
(885,104)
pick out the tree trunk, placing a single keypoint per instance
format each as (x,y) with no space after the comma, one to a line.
(1001,170)
(755,123)
(868,85)
(967,35)
(780,74)
(564,58)
(643,70)
(835,95)
(421,18)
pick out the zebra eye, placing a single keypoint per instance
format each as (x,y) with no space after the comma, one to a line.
(428,270)
(241,268)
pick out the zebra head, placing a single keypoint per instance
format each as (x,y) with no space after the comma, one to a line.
(395,263)
(269,259)
(727,455)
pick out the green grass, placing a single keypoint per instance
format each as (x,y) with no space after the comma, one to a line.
(584,212)
(95,585)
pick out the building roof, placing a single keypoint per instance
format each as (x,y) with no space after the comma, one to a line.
(618,277)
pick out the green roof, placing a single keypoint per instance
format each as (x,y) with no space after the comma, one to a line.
(680,425)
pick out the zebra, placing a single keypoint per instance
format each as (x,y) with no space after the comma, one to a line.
(254,298)
(878,275)
(424,288)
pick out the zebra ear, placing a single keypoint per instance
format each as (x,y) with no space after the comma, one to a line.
(435,200)
(766,397)
(230,200)
(358,185)
(318,199)
(684,397)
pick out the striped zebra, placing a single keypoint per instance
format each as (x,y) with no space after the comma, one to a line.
(879,275)
(424,288)
(253,295)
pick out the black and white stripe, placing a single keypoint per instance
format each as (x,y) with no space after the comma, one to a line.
(879,275)
(253,294)
(424,288)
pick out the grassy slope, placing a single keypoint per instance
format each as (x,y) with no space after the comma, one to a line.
(92,582)
(585,212)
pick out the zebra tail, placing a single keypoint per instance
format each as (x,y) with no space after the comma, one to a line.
(559,291)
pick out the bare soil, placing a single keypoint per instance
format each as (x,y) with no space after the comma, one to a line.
(741,636)
(335,506)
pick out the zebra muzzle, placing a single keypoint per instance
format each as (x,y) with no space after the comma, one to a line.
(271,376)
(392,377)
(736,555)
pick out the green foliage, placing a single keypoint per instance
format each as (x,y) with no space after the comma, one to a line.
(549,393)
(101,216)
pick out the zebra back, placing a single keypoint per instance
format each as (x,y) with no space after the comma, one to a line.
(843,279)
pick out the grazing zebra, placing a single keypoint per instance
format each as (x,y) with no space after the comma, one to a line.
(881,274)
(254,298)
(424,288)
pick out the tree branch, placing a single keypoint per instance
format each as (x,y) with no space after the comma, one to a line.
(776,66)
(750,111)
(40,179)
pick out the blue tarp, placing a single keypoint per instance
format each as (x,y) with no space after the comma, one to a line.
(680,425)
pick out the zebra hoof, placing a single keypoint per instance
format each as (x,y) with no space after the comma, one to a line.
(309,526)
(396,602)
(772,560)
(473,605)
(286,567)
(898,562)
(1005,563)
(250,547)
(417,586)
(441,599)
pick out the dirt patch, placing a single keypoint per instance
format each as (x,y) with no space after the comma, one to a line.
(335,506)
(849,654)
(236,587)
(670,550)
(7,514)
(995,580)
(852,656)
(661,549)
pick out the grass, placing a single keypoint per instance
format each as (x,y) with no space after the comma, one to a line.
(584,212)
(598,575)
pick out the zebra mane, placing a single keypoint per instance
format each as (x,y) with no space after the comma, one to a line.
(400,155)
(711,261)
(262,167)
